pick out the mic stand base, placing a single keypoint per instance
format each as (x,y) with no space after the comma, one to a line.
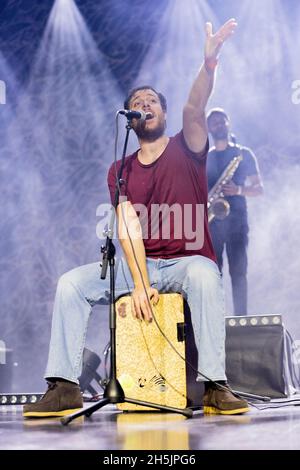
(187,412)
(114,394)
(251,396)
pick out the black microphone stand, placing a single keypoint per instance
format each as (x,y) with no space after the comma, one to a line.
(114,392)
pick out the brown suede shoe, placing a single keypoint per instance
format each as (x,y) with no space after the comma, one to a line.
(216,400)
(61,399)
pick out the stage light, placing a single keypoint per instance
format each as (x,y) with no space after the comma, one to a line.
(253,320)
(19,398)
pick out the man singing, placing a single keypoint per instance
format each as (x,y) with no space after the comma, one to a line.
(164,171)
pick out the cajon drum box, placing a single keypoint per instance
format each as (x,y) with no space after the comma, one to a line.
(148,368)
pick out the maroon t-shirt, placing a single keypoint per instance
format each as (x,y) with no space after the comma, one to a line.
(170,197)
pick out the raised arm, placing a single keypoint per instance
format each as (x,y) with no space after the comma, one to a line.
(194,119)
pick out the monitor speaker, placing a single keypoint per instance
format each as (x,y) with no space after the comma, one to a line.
(6,368)
(255,355)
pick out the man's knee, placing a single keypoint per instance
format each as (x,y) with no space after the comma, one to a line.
(69,280)
(202,271)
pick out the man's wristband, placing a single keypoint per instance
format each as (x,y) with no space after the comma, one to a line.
(210,64)
(239,191)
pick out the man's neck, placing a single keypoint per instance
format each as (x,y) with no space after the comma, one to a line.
(151,151)
(221,144)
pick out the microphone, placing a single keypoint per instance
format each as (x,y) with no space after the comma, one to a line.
(135,114)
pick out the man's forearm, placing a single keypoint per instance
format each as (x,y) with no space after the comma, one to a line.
(252,191)
(131,240)
(201,89)
(136,259)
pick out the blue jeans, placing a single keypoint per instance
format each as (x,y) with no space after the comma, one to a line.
(196,277)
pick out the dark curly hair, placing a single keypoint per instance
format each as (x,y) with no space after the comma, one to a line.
(161,97)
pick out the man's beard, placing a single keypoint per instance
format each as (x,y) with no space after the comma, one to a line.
(220,134)
(150,135)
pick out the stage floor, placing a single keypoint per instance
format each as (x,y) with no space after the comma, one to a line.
(109,429)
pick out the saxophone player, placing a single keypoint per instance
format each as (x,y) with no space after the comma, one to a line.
(231,232)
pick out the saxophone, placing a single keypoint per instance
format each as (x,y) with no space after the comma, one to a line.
(217,206)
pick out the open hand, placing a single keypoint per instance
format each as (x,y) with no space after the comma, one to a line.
(215,41)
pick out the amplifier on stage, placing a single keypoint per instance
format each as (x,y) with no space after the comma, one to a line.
(258,356)
(6,367)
